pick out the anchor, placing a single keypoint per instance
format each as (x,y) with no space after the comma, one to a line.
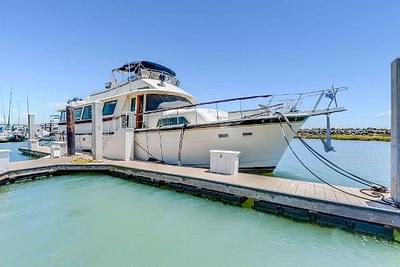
(328,140)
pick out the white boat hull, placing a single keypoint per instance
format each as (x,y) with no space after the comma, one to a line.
(261,146)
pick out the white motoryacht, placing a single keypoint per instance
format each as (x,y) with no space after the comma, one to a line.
(147,116)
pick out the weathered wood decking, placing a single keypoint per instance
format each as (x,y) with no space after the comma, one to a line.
(302,200)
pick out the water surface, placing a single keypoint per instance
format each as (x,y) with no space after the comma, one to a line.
(15,155)
(98,220)
(369,160)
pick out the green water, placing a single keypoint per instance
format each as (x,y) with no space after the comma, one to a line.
(98,220)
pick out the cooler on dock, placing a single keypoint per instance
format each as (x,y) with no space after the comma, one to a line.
(224,161)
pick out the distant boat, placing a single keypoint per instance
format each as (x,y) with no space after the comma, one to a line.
(12,135)
(6,137)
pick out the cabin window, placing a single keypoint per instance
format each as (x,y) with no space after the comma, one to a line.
(133,104)
(78,113)
(109,107)
(87,113)
(172,121)
(154,102)
(63,116)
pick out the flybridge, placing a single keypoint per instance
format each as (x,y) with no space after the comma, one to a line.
(139,70)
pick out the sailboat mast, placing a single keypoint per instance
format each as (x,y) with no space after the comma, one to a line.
(27,104)
(9,109)
(4,114)
(19,115)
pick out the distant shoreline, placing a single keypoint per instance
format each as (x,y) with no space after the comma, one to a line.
(381,138)
(357,134)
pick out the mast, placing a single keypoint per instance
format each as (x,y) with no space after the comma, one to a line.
(4,114)
(9,109)
(19,115)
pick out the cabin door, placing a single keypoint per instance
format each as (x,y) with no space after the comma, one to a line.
(139,111)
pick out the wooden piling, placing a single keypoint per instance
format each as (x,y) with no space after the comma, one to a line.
(395,145)
(70,131)
(97,130)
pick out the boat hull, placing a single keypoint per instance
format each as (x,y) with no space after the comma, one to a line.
(261,146)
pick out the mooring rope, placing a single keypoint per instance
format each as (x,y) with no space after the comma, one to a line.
(181,144)
(148,153)
(374,191)
(161,150)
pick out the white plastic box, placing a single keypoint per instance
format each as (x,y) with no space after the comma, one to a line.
(224,161)
(63,147)
(55,151)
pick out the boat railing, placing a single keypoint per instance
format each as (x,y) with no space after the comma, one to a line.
(155,74)
(248,107)
(141,74)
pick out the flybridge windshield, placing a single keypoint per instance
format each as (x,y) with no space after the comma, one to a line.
(154,101)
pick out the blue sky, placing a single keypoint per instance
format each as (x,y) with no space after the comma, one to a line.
(53,50)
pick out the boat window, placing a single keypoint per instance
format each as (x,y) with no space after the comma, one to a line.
(133,104)
(154,101)
(182,120)
(63,116)
(172,121)
(78,113)
(87,113)
(109,107)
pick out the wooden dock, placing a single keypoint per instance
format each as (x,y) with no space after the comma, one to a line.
(41,151)
(300,200)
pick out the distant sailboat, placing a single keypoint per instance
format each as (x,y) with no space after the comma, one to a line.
(9,110)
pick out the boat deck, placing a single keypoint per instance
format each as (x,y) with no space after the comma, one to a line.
(302,200)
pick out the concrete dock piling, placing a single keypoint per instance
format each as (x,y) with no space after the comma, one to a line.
(70,131)
(395,145)
(31,126)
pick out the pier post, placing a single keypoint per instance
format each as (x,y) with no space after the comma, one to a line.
(97,130)
(70,131)
(395,145)
(31,126)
